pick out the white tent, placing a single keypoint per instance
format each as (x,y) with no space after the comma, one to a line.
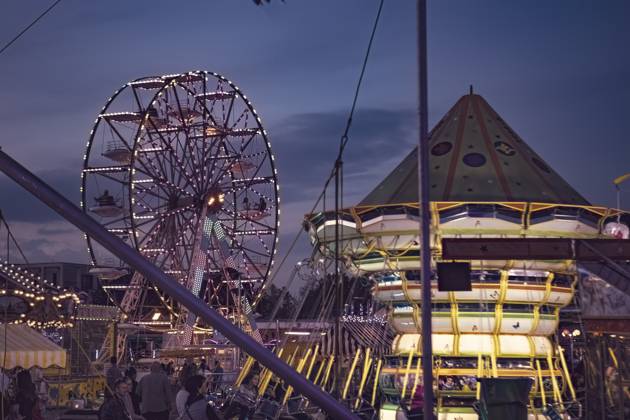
(23,346)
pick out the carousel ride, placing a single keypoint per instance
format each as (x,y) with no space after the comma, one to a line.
(486,182)
(180,167)
(26,298)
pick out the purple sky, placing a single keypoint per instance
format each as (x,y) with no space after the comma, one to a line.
(556,71)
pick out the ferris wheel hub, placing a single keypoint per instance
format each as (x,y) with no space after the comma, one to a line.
(215,199)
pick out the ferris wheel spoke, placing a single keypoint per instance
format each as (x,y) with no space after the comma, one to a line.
(139,225)
(149,234)
(179,108)
(192,166)
(254,177)
(161,180)
(159,165)
(148,191)
(267,252)
(201,102)
(219,149)
(155,210)
(244,189)
(162,140)
(182,173)
(118,134)
(137,98)
(187,146)
(229,112)
(244,114)
(187,227)
(254,265)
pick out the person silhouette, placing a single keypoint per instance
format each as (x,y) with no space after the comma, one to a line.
(105,200)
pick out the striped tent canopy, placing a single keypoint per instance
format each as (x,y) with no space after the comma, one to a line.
(22,346)
(377,336)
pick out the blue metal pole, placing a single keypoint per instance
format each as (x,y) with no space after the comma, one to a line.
(425,216)
(135,260)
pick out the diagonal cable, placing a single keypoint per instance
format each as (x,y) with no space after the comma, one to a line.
(23,31)
(344,137)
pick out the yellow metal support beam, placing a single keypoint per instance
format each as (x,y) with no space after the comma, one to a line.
(320,370)
(376,376)
(406,377)
(310,366)
(330,364)
(567,378)
(299,369)
(479,374)
(416,378)
(266,377)
(367,364)
(350,373)
(554,383)
(493,361)
(541,385)
(613,357)
(243,373)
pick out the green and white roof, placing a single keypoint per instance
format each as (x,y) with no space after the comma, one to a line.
(476,156)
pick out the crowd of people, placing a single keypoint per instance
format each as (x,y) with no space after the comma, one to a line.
(24,394)
(459,383)
(161,392)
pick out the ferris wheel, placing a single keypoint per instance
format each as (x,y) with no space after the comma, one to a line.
(181,168)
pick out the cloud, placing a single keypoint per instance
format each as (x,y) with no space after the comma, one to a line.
(49,241)
(307,144)
(18,205)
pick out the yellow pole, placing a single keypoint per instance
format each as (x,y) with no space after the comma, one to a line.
(310,366)
(613,357)
(292,357)
(540,384)
(246,367)
(301,364)
(366,369)
(289,362)
(350,373)
(320,370)
(566,372)
(479,374)
(378,371)
(266,377)
(556,390)
(330,364)
(416,379)
(406,378)
(493,360)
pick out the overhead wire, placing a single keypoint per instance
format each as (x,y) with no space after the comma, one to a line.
(344,138)
(11,238)
(30,25)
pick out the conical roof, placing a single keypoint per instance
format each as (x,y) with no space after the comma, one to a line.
(476,156)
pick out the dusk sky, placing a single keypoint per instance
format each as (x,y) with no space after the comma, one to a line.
(558,72)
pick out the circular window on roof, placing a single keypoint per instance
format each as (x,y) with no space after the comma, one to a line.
(474,159)
(541,165)
(504,148)
(441,148)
